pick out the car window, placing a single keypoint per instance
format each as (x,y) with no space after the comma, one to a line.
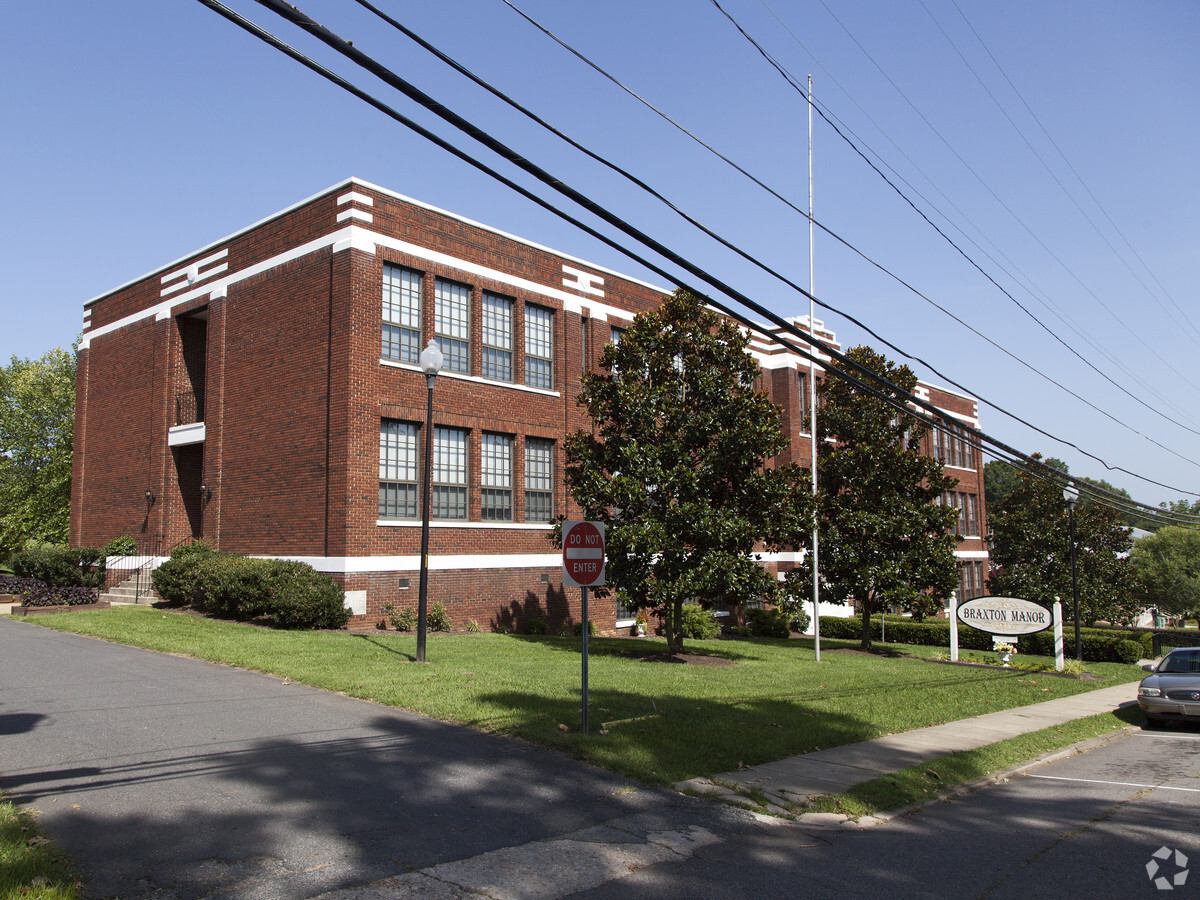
(1181,663)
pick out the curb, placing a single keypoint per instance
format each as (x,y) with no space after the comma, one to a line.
(849,823)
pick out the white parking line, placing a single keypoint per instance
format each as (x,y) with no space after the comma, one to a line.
(1161,787)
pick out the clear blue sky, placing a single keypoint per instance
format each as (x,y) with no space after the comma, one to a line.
(136,132)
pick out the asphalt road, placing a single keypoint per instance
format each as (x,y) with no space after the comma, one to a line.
(171,778)
(1083,827)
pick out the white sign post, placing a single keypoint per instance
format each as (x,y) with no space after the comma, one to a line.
(954,626)
(583,567)
(1058,636)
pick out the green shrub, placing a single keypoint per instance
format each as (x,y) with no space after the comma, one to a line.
(236,587)
(473,627)
(799,620)
(60,566)
(437,619)
(699,624)
(173,579)
(301,597)
(233,587)
(193,547)
(405,620)
(768,622)
(123,545)
(536,625)
(577,628)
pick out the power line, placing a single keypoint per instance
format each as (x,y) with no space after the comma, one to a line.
(789,79)
(346,49)
(825,305)
(1182,312)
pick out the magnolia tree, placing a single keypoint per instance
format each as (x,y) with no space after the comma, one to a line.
(1031,550)
(884,540)
(676,465)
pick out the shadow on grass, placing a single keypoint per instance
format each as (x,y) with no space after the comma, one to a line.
(387,648)
(631,648)
(672,737)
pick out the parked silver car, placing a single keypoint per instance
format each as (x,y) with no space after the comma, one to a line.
(1172,691)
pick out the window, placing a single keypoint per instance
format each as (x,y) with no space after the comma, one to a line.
(972,516)
(397,470)
(584,327)
(539,480)
(449,500)
(614,338)
(539,347)
(451,324)
(496,504)
(401,314)
(497,328)
(970,581)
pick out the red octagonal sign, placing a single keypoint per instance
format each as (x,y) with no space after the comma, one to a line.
(583,554)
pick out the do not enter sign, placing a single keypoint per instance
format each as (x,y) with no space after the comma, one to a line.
(583,554)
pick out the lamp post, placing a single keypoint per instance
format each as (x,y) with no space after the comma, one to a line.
(1071,495)
(431,363)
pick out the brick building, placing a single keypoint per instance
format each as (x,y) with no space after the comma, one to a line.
(263,393)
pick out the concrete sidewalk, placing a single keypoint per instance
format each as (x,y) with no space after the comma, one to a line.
(789,782)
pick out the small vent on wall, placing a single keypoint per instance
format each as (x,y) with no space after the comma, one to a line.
(403,584)
(544,578)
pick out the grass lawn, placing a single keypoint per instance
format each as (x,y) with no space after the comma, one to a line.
(30,865)
(661,722)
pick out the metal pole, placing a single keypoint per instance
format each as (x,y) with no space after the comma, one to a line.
(1075,584)
(812,385)
(585,658)
(423,597)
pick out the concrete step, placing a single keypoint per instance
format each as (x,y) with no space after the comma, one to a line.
(127,592)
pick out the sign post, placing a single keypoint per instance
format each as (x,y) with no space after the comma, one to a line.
(583,567)
(954,626)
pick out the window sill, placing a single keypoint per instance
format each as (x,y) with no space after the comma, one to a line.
(474,379)
(462,523)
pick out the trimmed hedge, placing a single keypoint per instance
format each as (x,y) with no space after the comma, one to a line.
(237,587)
(1099,644)
(60,566)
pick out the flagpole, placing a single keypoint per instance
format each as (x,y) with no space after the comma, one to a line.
(812,382)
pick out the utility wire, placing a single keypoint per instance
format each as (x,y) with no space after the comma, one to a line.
(789,79)
(997,197)
(1182,312)
(830,118)
(1028,284)
(928,412)
(462,70)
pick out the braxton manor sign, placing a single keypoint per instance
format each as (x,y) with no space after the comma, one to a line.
(1004,615)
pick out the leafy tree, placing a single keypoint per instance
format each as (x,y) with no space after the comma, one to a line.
(999,480)
(1031,551)
(676,465)
(884,540)
(1166,570)
(37,416)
